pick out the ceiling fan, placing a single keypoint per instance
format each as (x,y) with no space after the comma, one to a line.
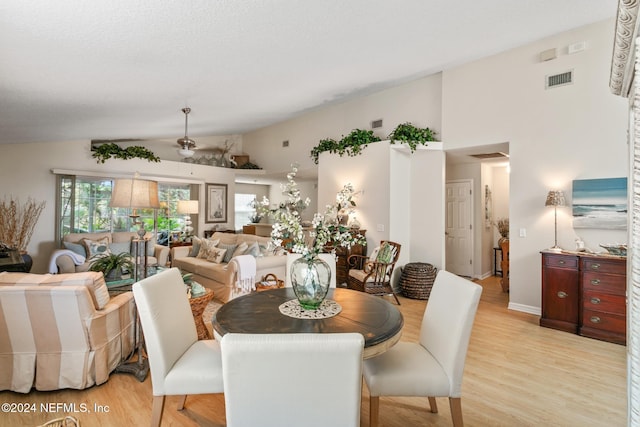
(186,144)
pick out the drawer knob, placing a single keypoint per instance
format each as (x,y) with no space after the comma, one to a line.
(561,262)
(562,294)
(595,266)
(595,300)
(595,282)
(595,319)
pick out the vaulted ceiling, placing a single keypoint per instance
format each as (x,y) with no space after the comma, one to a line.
(88,69)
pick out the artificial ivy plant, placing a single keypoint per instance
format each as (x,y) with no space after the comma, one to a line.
(407,133)
(351,145)
(104,152)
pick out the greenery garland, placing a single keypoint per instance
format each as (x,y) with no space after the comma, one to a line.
(351,145)
(104,152)
(358,139)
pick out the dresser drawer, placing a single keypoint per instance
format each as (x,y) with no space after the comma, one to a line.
(604,266)
(599,282)
(561,261)
(604,321)
(598,301)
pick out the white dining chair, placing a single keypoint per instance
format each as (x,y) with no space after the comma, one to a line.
(328,258)
(312,380)
(179,363)
(433,366)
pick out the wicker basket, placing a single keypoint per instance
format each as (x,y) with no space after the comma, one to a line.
(417,279)
(270,281)
(67,421)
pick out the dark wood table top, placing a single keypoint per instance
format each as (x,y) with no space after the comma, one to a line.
(379,322)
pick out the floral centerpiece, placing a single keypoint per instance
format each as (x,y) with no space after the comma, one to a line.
(310,278)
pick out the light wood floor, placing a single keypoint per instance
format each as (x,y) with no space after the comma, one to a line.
(517,374)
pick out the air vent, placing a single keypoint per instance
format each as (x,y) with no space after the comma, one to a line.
(561,79)
(489,155)
(285,143)
(376,124)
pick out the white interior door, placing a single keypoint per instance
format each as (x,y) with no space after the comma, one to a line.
(458,230)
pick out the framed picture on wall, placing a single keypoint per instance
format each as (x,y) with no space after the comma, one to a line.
(216,203)
(600,203)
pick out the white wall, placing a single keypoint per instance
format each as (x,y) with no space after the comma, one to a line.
(402,199)
(555,136)
(27,172)
(418,102)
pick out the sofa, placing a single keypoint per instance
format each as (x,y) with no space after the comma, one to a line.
(61,330)
(88,244)
(220,275)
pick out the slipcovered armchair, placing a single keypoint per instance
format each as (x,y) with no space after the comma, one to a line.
(373,274)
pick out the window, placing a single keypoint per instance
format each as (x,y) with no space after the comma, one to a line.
(243,209)
(84,207)
(168,218)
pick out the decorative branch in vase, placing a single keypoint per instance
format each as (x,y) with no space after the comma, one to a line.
(310,275)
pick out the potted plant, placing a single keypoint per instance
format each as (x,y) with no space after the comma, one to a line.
(407,133)
(17,223)
(112,265)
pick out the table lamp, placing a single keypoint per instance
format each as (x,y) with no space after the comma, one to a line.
(135,194)
(188,207)
(555,198)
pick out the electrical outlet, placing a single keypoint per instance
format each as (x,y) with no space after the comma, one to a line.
(380,227)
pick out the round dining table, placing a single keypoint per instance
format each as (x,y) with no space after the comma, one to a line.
(379,322)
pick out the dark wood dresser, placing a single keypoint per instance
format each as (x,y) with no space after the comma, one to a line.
(585,294)
(342,256)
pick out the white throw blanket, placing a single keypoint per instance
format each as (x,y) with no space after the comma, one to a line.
(77,259)
(245,266)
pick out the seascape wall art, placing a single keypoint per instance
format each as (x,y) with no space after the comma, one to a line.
(600,203)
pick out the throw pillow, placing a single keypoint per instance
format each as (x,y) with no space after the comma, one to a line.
(195,246)
(120,247)
(240,250)
(96,247)
(206,246)
(254,250)
(385,254)
(216,255)
(374,254)
(76,247)
(230,249)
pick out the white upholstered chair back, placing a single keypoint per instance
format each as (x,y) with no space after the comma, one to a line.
(287,379)
(167,322)
(447,323)
(328,258)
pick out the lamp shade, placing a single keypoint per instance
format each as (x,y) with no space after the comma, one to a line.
(188,206)
(135,193)
(555,198)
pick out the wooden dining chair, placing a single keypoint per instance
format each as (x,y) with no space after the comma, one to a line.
(373,274)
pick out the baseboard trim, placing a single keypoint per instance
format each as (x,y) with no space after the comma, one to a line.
(525,308)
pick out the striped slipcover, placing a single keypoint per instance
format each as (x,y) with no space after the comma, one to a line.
(61,331)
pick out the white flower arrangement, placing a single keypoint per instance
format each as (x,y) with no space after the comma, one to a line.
(325,232)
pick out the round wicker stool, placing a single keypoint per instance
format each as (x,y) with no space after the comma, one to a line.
(417,279)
